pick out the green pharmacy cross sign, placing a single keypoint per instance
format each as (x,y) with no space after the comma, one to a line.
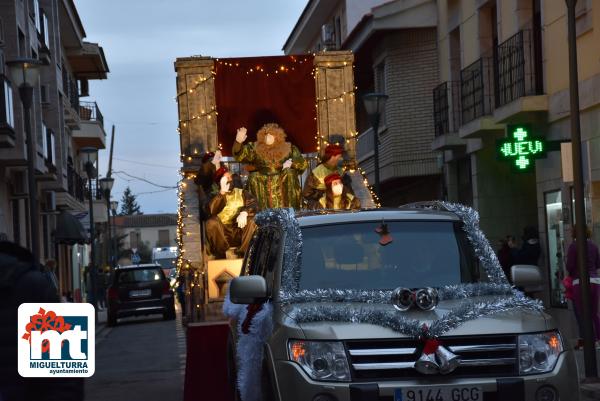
(521,148)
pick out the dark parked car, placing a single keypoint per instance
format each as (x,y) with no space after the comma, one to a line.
(139,290)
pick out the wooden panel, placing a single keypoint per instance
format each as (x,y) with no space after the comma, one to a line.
(196,107)
(335,99)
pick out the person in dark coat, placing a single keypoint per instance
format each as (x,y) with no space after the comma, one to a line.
(22,280)
(530,250)
(505,255)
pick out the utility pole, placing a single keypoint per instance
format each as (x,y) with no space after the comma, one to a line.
(589,349)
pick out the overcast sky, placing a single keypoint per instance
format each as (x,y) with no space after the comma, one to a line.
(141,40)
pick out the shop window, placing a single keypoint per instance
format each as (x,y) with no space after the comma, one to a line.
(556,246)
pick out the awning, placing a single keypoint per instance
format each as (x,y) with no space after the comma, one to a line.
(69,229)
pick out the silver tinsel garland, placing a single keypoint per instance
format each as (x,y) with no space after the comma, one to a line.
(292,246)
(457,291)
(468,310)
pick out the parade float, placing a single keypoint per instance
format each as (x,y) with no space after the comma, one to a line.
(309,98)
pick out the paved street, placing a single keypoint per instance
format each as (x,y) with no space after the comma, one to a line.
(142,358)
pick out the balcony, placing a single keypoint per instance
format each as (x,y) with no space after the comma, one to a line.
(70,100)
(519,81)
(477,98)
(446,116)
(91,123)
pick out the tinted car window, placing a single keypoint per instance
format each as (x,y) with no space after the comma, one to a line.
(140,275)
(420,254)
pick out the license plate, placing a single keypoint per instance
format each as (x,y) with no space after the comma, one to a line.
(139,293)
(438,393)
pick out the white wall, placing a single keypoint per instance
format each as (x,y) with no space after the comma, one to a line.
(356,9)
(148,235)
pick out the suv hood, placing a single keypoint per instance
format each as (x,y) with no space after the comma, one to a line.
(512,322)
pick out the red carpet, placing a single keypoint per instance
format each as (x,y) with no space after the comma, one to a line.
(206,365)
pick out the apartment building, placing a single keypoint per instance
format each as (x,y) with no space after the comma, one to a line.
(504,66)
(61,122)
(395,52)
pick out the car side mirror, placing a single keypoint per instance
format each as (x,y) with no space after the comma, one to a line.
(248,290)
(526,276)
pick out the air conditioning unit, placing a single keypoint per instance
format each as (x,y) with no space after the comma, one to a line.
(49,201)
(328,36)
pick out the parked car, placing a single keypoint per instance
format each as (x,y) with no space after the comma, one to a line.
(340,320)
(139,290)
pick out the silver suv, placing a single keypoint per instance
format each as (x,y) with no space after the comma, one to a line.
(404,304)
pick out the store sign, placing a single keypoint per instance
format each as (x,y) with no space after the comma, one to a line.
(521,148)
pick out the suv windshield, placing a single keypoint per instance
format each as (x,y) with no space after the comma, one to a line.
(140,275)
(420,254)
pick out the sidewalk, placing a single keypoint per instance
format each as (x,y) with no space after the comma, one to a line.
(101,323)
(589,390)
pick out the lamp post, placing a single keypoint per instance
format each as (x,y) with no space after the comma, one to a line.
(589,350)
(113,209)
(375,105)
(89,155)
(106,185)
(24,74)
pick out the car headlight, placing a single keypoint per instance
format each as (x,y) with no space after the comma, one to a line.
(538,353)
(321,360)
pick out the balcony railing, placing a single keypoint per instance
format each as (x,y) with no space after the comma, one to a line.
(518,71)
(76,184)
(446,108)
(476,90)
(364,145)
(89,111)
(70,89)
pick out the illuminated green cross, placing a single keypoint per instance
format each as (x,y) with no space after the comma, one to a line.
(520,149)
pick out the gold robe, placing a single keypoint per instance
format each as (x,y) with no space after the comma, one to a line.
(314,187)
(272,186)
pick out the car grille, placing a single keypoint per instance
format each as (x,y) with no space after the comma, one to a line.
(481,356)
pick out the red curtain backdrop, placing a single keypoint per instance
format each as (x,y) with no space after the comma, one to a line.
(254,91)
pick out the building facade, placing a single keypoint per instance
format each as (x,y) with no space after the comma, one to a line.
(395,51)
(61,123)
(504,67)
(145,232)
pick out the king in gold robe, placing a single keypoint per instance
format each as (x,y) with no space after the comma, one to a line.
(277,164)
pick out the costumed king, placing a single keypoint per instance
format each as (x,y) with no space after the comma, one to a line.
(278,165)
(314,187)
(231,222)
(337,196)
(211,162)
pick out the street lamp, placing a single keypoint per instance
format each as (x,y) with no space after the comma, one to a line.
(106,185)
(88,156)
(113,208)
(24,74)
(375,106)
(589,351)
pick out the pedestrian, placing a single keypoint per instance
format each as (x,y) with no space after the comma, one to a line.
(593,264)
(505,255)
(22,280)
(530,250)
(101,289)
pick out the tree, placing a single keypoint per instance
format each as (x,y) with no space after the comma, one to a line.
(129,205)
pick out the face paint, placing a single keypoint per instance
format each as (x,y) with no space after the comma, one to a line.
(269,139)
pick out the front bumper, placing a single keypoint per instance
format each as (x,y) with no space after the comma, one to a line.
(294,385)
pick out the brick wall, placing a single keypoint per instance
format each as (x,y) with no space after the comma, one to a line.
(411,73)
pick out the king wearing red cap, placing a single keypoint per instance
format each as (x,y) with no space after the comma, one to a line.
(336,195)
(314,187)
